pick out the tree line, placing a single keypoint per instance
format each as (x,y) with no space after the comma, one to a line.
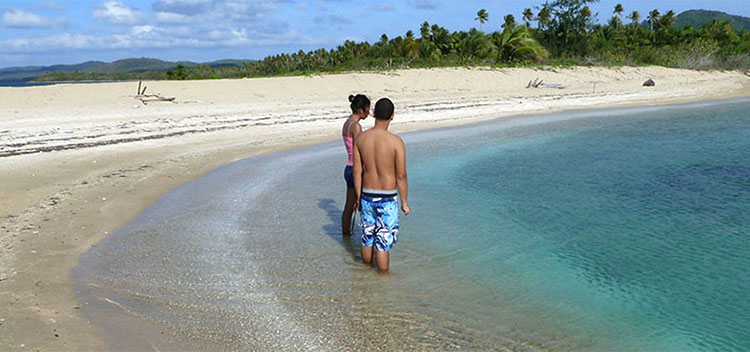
(558,32)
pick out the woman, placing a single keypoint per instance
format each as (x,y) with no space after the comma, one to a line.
(360,105)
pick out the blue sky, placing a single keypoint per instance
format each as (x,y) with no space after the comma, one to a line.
(46,32)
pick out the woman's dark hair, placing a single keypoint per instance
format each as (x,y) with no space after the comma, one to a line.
(359,101)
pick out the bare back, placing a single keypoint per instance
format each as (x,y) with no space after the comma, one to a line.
(380,152)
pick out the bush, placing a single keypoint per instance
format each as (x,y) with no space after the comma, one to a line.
(699,56)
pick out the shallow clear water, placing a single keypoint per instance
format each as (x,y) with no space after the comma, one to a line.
(618,230)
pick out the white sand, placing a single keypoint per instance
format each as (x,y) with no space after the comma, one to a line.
(77,161)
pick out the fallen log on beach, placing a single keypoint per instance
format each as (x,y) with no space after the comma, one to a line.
(553,85)
(537,83)
(146,98)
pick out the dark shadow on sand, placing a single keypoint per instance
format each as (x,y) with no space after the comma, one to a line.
(333,229)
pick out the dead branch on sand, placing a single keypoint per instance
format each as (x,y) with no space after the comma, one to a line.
(146,98)
(537,83)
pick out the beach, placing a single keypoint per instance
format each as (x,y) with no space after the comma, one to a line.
(80,161)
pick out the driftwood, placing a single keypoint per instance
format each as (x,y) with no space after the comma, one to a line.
(536,83)
(553,85)
(649,83)
(146,98)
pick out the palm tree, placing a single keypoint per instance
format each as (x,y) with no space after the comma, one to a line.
(516,44)
(424,31)
(653,18)
(634,16)
(667,21)
(528,16)
(586,13)
(476,45)
(441,38)
(615,23)
(482,17)
(412,47)
(618,10)
(510,22)
(544,17)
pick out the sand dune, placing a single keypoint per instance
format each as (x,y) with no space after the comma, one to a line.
(77,161)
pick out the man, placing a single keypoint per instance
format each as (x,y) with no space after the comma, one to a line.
(379,177)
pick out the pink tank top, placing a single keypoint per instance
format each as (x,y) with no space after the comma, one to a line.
(349,145)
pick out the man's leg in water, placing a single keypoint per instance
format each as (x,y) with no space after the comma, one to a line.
(382,258)
(367,254)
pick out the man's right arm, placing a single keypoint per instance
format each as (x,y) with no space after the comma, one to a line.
(402,182)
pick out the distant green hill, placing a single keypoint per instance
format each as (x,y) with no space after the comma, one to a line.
(29,73)
(697,18)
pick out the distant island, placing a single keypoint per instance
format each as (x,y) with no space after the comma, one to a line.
(559,33)
(134,68)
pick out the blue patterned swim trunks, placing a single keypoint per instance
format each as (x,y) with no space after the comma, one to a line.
(379,213)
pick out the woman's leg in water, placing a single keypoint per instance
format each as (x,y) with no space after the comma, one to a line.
(346,215)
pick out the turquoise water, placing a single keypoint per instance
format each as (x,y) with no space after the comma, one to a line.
(637,228)
(599,230)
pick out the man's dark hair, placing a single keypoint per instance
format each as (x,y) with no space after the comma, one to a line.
(383,109)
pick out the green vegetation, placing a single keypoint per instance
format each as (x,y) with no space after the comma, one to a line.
(565,33)
(149,69)
(698,18)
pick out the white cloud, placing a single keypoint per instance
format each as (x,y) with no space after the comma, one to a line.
(182,7)
(202,11)
(51,5)
(322,6)
(117,13)
(53,42)
(384,7)
(174,18)
(14,59)
(243,10)
(333,20)
(222,25)
(426,4)
(21,19)
(61,22)
(155,37)
(217,9)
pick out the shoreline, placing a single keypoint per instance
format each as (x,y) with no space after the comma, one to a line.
(58,204)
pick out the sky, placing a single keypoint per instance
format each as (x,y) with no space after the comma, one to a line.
(48,32)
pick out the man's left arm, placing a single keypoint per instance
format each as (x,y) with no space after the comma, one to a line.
(402,182)
(357,171)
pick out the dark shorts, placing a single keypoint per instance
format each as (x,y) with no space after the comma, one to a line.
(349,176)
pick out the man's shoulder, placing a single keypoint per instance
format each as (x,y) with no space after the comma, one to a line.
(364,135)
(395,138)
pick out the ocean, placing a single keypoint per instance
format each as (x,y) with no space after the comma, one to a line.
(621,229)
